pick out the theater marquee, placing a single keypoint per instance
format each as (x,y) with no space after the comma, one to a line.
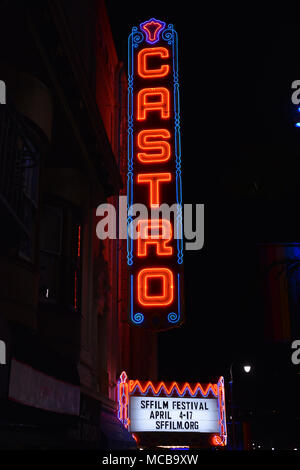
(155,258)
(145,407)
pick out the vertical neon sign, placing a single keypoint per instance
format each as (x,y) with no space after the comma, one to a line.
(155,258)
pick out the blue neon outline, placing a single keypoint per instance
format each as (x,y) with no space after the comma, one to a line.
(130,144)
(178,303)
(169,35)
(177,140)
(137,317)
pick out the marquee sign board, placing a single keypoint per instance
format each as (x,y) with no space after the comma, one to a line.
(155,257)
(174,408)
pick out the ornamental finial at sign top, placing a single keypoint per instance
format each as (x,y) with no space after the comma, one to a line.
(152,28)
(123,377)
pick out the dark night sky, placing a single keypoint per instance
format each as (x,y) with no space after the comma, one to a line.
(236,69)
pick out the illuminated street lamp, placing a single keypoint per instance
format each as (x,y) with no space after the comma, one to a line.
(247,368)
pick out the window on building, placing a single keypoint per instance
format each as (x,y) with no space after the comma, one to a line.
(30,187)
(21,147)
(60,255)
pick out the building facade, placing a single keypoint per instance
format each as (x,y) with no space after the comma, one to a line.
(63,296)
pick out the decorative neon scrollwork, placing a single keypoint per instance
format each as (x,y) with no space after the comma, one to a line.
(137,37)
(168,34)
(138,318)
(173,317)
